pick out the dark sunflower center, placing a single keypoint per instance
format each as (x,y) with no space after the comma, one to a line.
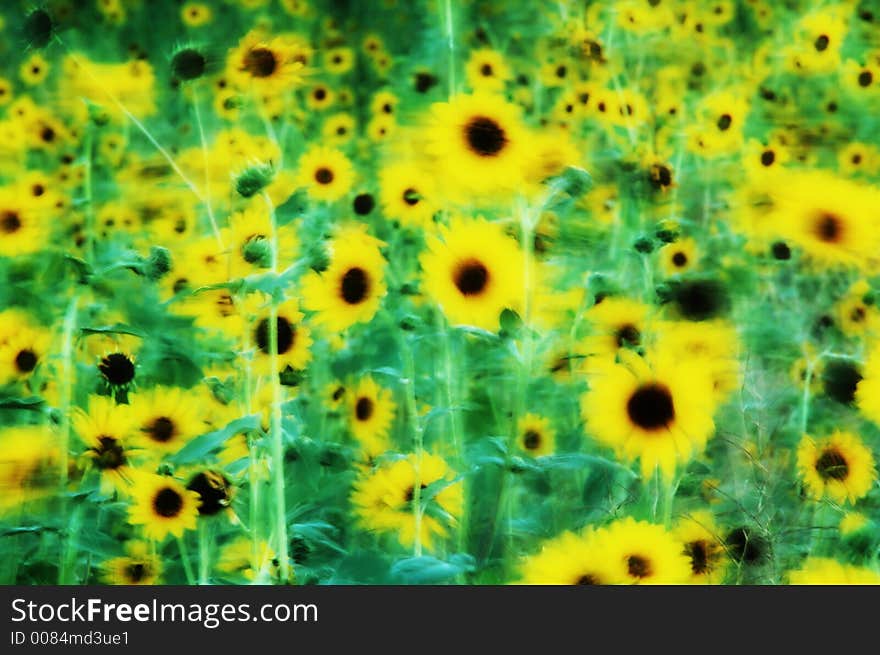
(821,43)
(471,277)
(829,228)
(484,136)
(117,369)
(167,503)
(26,361)
(857,315)
(587,579)
(323,176)
(355,285)
(260,62)
(531,439)
(162,429)
(486,69)
(410,493)
(213,490)
(109,454)
(627,335)
(363,409)
(831,464)
(338,392)
(865,78)
(724,122)
(698,551)
(135,572)
(10,222)
(411,197)
(679,259)
(286,335)
(651,407)
(768,157)
(638,566)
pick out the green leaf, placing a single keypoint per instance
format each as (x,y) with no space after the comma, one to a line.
(201,446)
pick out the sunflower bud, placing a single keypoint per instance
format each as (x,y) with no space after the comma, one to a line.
(38,28)
(253,180)
(158,263)
(258,251)
(188,64)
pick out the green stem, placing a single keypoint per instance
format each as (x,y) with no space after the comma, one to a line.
(275,432)
(413,416)
(207,198)
(67,378)
(204,552)
(450,44)
(184,559)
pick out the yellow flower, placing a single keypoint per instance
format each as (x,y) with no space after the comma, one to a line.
(196,14)
(139,566)
(107,429)
(703,546)
(350,290)
(827,571)
(643,553)
(325,172)
(658,409)
(408,194)
(267,65)
(165,419)
(473,271)
(383,498)
(486,70)
(571,559)
(839,466)
(371,412)
(535,436)
(162,506)
(479,144)
(34,70)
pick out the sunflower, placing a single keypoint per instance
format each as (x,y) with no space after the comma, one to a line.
(165,419)
(240,557)
(830,218)
(714,344)
(195,14)
(350,290)
(22,230)
(827,571)
(293,339)
(571,559)
(867,393)
(371,411)
(703,546)
(857,314)
(139,566)
(535,436)
(334,395)
(320,97)
(214,489)
(839,466)
(658,409)
(338,60)
(106,429)
(479,143)
(22,353)
(339,128)
(643,553)
(486,70)
(163,506)
(678,257)
(118,368)
(249,239)
(29,470)
(325,172)
(408,195)
(34,70)
(267,65)
(383,498)
(473,271)
(616,323)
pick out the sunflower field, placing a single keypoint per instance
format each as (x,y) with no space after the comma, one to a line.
(439,292)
